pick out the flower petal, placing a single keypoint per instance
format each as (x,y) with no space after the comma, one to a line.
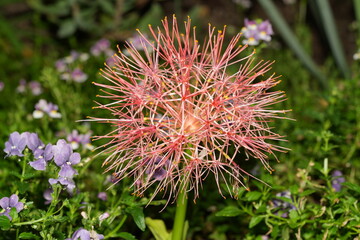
(5,202)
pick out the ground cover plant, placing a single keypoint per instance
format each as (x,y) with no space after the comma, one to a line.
(184,133)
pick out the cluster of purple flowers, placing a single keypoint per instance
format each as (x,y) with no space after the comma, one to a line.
(76,139)
(43,107)
(255,31)
(69,67)
(281,206)
(6,203)
(337,180)
(62,154)
(33,86)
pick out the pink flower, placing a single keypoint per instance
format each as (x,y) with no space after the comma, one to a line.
(194,105)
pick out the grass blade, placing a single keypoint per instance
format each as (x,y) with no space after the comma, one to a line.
(291,40)
(332,35)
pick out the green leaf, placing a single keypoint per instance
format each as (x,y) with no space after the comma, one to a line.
(28,235)
(352,186)
(22,187)
(293,214)
(5,223)
(229,211)
(67,28)
(306,193)
(138,215)
(125,235)
(158,228)
(255,220)
(253,195)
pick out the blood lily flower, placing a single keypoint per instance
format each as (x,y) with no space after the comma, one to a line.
(197,105)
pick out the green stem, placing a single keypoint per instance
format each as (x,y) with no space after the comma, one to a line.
(117,227)
(179,222)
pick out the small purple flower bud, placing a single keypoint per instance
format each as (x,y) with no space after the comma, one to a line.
(47,195)
(337,180)
(104,216)
(102,196)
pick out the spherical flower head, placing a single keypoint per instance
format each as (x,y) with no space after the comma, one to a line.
(10,202)
(196,105)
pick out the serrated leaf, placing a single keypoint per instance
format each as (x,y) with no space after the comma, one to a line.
(28,235)
(4,223)
(253,195)
(229,211)
(157,228)
(255,220)
(138,216)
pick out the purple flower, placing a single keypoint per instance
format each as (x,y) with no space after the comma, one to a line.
(265,30)
(84,234)
(74,139)
(283,206)
(68,182)
(16,144)
(8,203)
(255,31)
(2,85)
(102,196)
(35,88)
(43,107)
(21,88)
(47,195)
(158,172)
(337,180)
(78,75)
(42,156)
(100,46)
(33,141)
(61,65)
(65,158)
(104,216)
